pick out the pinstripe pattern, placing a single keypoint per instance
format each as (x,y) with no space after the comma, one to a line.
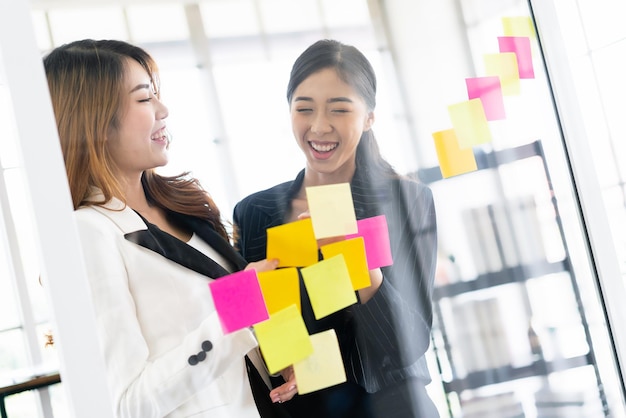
(392,329)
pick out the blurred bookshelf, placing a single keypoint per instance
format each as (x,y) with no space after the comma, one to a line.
(495,355)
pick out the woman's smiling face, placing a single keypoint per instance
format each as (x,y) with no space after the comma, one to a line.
(140,141)
(328,118)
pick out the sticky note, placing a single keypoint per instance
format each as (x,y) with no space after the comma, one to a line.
(238,300)
(353,251)
(281,288)
(332,210)
(452,159)
(504,65)
(323,368)
(375,233)
(328,285)
(489,91)
(283,339)
(518,26)
(470,123)
(520,46)
(293,244)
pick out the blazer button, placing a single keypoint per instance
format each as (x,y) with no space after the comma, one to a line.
(207,345)
(201,356)
(192,360)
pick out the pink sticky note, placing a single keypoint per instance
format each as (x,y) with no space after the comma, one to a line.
(489,91)
(238,300)
(376,237)
(520,45)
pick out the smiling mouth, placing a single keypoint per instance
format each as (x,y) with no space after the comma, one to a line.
(161,135)
(325,147)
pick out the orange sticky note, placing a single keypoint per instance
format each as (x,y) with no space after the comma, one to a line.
(293,244)
(328,285)
(283,339)
(504,65)
(452,159)
(332,210)
(518,26)
(323,368)
(353,251)
(470,123)
(281,288)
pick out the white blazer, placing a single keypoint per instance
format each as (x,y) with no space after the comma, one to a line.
(153,314)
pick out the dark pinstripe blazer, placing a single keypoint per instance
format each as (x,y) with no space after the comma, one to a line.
(388,336)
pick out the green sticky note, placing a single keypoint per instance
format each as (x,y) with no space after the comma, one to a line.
(353,251)
(283,339)
(328,285)
(323,368)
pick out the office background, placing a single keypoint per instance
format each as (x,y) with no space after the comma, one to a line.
(534,239)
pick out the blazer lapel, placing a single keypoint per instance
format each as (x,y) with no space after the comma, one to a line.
(175,250)
(204,230)
(138,230)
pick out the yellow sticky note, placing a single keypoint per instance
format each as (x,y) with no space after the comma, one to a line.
(293,244)
(504,65)
(353,251)
(518,26)
(323,368)
(332,210)
(283,339)
(470,123)
(452,159)
(281,288)
(328,285)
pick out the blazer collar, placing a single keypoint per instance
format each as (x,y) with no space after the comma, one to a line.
(138,230)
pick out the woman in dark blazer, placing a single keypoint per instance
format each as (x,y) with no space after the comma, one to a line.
(383,338)
(151,244)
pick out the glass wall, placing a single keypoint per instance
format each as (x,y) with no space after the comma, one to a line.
(519,329)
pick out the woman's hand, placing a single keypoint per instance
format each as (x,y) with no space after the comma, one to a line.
(263,265)
(286,391)
(376,279)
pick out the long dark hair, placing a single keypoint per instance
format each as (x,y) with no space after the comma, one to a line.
(86,79)
(355,70)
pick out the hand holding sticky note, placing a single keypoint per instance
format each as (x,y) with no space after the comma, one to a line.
(238,300)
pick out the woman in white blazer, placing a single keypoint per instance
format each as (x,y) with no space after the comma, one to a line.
(151,244)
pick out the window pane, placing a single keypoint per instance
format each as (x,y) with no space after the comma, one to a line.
(236,18)
(290,16)
(12,354)
(157,22)
(91,22)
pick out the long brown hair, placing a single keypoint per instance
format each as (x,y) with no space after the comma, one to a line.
(86,79)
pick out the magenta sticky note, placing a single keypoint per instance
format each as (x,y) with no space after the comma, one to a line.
(375,235)
(489,91)
(520,45)
(238,300)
